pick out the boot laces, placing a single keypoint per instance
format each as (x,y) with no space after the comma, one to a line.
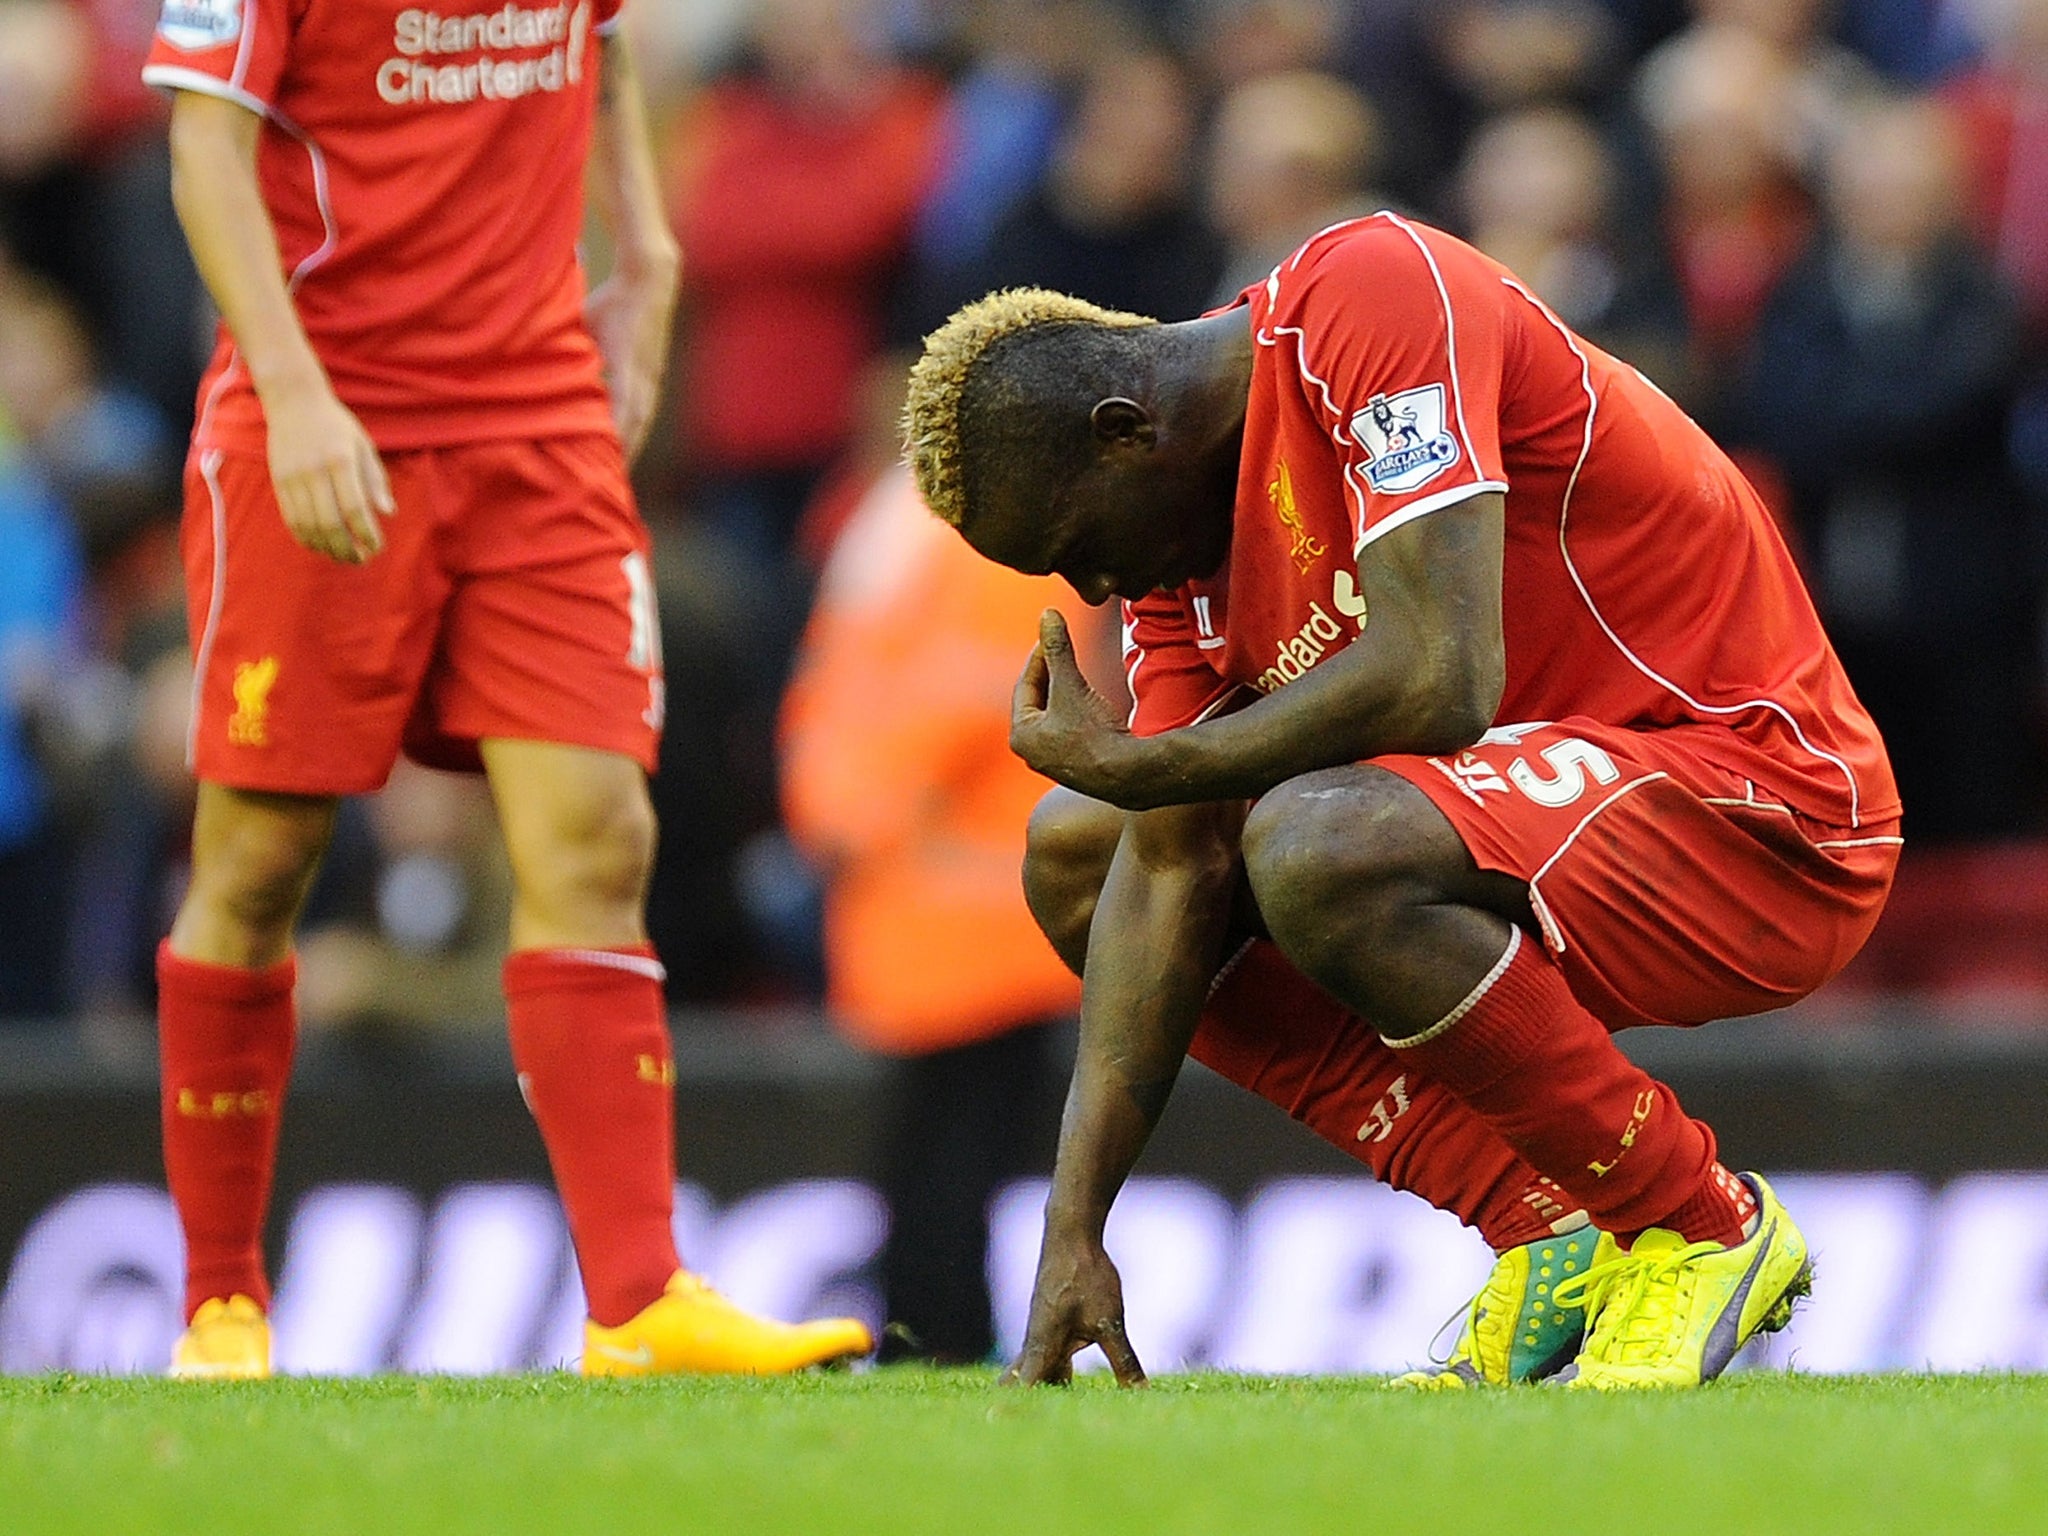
(1635,1303)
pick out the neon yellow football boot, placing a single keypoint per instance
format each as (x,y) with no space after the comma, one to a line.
(228,1340)
(1516,1330)
(691,1328)
(1668,1313)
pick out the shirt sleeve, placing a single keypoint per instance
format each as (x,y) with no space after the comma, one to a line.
(1171,682)
(229,48)
(1401,342)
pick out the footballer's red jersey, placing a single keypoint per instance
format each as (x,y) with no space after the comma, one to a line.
(1398,371)
(424,171)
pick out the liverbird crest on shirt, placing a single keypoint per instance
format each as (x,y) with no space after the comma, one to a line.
(1306,548)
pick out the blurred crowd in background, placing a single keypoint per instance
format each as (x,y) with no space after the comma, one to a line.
(1822,228)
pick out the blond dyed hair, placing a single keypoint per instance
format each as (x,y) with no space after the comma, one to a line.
(938,381)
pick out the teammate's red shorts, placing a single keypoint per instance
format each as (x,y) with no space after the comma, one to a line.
(1671,889)
(512,599)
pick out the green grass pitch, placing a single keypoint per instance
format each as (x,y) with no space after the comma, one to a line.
(946,1451)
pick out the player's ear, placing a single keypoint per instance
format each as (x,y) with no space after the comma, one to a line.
(1121,420)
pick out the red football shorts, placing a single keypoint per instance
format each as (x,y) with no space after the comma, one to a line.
(1671,890)
(512,599)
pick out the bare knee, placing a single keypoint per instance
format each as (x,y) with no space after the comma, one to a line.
(253,859)
(580,831)
(594,852)
(1334,841)
(1068,846)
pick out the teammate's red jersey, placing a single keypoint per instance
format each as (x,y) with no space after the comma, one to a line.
(424,171)
(1398,371)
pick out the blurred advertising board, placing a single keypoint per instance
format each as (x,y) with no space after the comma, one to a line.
(414,1229)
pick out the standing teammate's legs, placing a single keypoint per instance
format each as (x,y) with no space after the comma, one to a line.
(590,1039)
(303,671)
(548,673)
(584,1002)
(225,1034)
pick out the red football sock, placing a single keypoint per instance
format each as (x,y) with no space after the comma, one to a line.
(225,1041)
(590,1040)
(1545,1074)
(1269,1029)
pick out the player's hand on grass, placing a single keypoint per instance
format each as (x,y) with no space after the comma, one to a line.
(1065,729)
(630,314)
(1078,1300)
(330,483)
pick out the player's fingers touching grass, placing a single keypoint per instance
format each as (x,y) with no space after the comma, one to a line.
(1116,1348)
(1048,1360)
(1078,1300)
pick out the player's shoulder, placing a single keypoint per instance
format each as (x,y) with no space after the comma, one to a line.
(1385,254)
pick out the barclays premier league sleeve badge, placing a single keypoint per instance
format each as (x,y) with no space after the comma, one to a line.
(1405,439)
(194,26)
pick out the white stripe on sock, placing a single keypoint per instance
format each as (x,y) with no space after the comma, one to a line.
(1486,982)
(612,959)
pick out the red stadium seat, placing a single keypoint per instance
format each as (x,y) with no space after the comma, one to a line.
(1964,922)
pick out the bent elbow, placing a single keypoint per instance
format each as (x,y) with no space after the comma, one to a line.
(1464,703)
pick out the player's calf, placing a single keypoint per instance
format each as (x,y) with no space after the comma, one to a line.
(1369,890)
(1067,849)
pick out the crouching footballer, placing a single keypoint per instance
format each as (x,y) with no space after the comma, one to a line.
(1480,712)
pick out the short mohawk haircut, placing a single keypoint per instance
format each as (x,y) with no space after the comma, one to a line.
(939,383)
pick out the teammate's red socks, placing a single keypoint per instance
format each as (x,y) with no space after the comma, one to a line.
(1545,1074)
(1271,1030)
(225,1039)
(590,1040)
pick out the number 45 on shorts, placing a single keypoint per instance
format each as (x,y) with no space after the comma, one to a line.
(1562,770)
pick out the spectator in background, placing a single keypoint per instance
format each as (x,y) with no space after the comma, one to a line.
(1825,79)
(1114,218)
(900,785)
(1536,190)
(1437,68)
(134,859)
(1002,118)
(85,188)
(1236,41)
(105,449)
(1719,104)
(87,466)
(45,61)
(41,593)
(2001,108)
(796,184)
(1881,380)
(1291,154)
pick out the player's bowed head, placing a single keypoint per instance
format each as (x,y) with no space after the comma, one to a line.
(1099,446)
(1066,439)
